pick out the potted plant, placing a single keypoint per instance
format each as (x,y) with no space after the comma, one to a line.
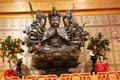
(8,50)
(99,48)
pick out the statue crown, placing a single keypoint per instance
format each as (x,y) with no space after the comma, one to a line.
(54,13)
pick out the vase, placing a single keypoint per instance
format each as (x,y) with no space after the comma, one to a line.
(10,73)
(93,59)
(18,68)
(101,67)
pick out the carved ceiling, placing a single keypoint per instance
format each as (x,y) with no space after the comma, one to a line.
(7,6)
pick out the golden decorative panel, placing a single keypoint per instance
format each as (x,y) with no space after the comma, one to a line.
(94,30)
(111,68)
(114,19)
(117,57)
(116,44)
(106,24)
(117,67)
(110,57)
(76,76)
(13,33)
(115,31)
(12,23)
(82,61)
(95,20)
(78,19)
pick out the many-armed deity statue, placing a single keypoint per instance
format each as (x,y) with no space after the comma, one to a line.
(56,49)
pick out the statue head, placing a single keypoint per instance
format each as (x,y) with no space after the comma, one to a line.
(54,17)
(39,15)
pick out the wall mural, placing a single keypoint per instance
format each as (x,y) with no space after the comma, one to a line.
(109,25)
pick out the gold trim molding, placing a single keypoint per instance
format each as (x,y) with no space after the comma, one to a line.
(74,76)
(13,6)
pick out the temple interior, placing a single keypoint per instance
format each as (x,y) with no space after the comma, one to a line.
(97,15)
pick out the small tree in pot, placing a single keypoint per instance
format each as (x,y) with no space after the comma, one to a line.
(99,48)
(9,50)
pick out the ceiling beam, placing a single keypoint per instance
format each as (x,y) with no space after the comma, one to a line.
(22,6)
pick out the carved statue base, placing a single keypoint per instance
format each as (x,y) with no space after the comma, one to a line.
(56,60)
(57,72)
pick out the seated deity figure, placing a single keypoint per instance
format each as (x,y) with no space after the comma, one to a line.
(57,48)
(55,29)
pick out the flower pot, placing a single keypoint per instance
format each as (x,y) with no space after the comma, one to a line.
(10,73)
(101,67)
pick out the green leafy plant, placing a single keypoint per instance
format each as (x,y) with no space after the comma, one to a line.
(9,49)
(99,46)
